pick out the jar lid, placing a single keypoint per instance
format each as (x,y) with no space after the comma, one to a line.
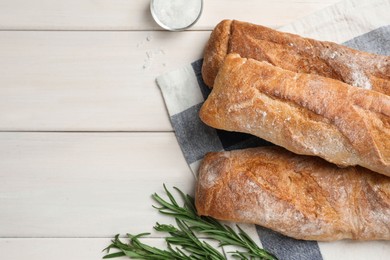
(176,15)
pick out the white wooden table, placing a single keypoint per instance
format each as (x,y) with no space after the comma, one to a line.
(85,138)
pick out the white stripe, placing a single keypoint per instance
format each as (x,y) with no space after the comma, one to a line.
(343,21)
(247,228)
(251,230)
(195,167)
(180,89)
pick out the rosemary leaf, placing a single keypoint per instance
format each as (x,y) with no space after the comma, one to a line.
(117,254)
(182,240)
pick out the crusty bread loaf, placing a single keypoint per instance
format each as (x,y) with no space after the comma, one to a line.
(295,53)
(305,113)
(303,197)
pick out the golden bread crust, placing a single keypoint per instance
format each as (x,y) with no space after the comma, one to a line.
(305,113)
(295,53)
(215,51)
(300,196)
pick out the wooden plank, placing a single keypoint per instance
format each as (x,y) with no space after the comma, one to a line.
(135,15)
(89,81)
(67,248)
(355,250)
(91,248)
(86,184)
(60,248)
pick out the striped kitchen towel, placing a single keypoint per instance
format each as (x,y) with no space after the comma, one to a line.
(360,24)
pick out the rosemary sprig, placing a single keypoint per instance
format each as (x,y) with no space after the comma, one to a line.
(182,241)
(183,236)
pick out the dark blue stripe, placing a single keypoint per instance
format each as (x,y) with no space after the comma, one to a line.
(286,248)
(376,41)
(194,137)
(197,67)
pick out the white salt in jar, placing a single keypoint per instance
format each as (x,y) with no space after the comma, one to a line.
(176,15)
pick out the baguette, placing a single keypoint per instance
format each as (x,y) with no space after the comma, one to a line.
(303,197)
(304,113)
(295,53)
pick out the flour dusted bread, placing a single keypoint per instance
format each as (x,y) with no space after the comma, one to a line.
(303,197)
(305,113)
(295,53)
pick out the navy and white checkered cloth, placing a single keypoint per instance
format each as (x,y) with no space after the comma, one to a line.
(360,24)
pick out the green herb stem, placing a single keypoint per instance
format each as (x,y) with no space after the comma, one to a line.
(183,242)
